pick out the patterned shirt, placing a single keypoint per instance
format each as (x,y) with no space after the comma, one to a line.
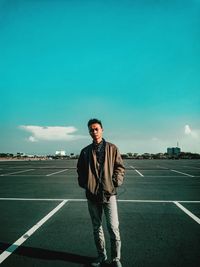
(100,154)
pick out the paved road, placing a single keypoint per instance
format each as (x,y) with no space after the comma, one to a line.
(42,207)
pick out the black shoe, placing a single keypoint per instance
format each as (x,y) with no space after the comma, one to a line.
(116,264)
(99,262)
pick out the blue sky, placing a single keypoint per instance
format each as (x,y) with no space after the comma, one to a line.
(133,64)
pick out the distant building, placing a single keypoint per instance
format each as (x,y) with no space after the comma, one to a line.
(173,151)
(21,154)
(60,153)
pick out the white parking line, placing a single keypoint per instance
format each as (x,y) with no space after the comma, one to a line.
(84,199)
(161,167)
(5,174)
(48,167)
(24,237)
(189,213)
(191,167)
(56,172)
(165,176)
(137,171)
(183,173)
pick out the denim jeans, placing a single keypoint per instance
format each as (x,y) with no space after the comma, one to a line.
(111,214)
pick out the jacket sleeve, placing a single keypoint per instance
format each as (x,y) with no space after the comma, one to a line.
(81,170)
(119,170)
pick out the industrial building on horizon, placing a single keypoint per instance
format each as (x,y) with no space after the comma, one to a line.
(60,153)
(173,151)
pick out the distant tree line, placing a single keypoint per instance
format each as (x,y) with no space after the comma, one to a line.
(181,155)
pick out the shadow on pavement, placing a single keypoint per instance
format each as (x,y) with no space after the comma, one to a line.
(46,254)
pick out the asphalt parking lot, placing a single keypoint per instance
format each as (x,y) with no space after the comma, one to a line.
(44,218)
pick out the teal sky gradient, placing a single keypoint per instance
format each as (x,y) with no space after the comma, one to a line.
(133,64)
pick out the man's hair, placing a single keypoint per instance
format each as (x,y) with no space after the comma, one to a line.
(92,121)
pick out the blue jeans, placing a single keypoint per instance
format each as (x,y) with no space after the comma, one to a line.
(111,214)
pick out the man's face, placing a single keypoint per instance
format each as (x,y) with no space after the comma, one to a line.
(96,132)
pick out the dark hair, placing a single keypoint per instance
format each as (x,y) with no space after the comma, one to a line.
(92,121)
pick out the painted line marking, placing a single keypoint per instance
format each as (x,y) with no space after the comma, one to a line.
(137,171)
(189,213)
(191,167)
(165,176)
(183,173)
(40,175)
(157,201)
(48,167)
(149,176)
(84,199)
(5,174)
(24,237)
(42,199)
(161,167)
(56,172)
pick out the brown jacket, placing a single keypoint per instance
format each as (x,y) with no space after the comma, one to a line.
(113,173)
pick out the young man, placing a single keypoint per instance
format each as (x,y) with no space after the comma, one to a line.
(100,170)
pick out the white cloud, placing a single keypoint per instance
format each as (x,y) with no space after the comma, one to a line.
(187,130)
(32,139)
(191,132)
(51,133)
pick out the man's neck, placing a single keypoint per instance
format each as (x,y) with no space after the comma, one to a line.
(98,141)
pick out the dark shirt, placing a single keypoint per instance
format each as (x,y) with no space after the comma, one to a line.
(100,152)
